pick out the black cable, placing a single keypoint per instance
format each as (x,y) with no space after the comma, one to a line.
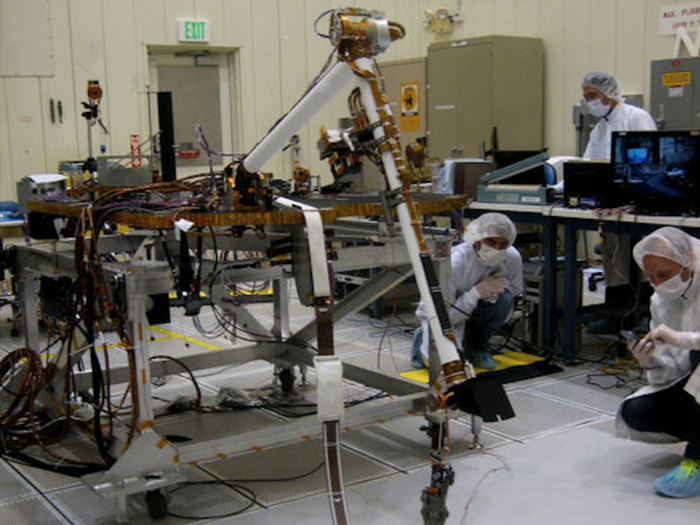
(216,255)
(198,278)
(274,480)
(97,378)
(279,409)
(243,491)
(186,273)
(547,353)
(258,338)
(27,460)
(169,258)
(246,492)
(620,380)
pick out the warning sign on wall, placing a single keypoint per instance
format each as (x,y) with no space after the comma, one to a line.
(676,78)
(410,116)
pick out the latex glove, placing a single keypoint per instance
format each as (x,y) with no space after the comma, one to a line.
(665,334)
(643,351)
(489,287)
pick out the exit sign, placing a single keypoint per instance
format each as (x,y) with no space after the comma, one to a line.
(193,31)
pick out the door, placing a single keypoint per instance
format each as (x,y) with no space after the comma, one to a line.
(200,84)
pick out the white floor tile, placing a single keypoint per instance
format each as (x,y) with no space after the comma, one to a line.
(557,462)
(536,415)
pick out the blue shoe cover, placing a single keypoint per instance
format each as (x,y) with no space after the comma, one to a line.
(417,360)
(482,360)
(682,482)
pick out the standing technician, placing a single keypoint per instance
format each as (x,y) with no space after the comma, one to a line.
(602,94)
(667,409)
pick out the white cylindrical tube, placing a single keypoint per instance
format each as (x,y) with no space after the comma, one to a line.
(337,78)
(446,348)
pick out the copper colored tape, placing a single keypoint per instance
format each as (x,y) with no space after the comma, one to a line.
(376,92)
(384,147)
(364,73)
(246,218)
(324,329)
(454,372)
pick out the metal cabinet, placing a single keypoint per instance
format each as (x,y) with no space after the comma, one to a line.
(480,83)
(675,93)
(404,85)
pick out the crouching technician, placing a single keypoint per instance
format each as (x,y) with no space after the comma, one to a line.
(486,275)
(667,409)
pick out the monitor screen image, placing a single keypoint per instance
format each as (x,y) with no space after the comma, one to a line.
(637,155)
(658,171)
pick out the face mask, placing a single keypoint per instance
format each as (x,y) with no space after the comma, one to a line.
(597,108)
(490,256)
(673,287)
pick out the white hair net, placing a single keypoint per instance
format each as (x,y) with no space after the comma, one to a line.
(490,225)
(605,82)
(668,242)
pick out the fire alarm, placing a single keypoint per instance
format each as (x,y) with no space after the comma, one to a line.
(443,21)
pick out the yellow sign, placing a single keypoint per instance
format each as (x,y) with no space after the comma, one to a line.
(677,78)
(410,119)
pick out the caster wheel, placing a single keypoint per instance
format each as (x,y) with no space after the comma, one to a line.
(157,504)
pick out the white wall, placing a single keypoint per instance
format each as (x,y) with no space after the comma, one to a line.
(279,54)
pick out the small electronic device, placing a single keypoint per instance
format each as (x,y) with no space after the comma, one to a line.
(629,336)
(513,194)
(41,187)
(520,182)
(589,184)
(518,168)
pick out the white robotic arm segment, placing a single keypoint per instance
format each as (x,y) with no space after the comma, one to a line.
(335,80)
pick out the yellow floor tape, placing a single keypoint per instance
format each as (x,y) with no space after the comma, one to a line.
(503,361)
(191,340)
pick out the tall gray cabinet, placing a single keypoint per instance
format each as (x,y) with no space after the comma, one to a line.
(675,93)
(480,83)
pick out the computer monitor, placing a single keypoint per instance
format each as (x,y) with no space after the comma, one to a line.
(589,184)
(658,171)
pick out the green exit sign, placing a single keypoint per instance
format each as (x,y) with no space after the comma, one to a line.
(193,31)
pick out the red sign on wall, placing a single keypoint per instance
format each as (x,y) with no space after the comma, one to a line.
(135,147)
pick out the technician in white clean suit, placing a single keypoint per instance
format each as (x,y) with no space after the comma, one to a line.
(667,408)
(603,95)
(486,274)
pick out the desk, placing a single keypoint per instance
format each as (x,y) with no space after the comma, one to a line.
(577,219)
(11,229)
(537,214)
(573,220)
